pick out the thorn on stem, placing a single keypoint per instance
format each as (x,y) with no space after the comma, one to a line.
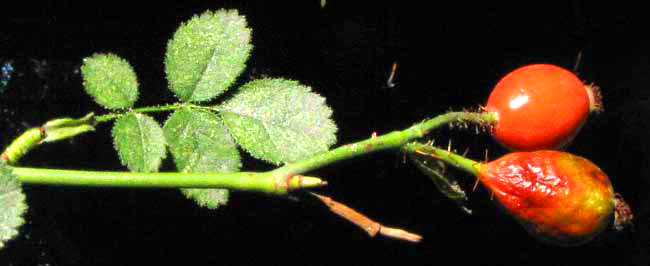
(427,154)
(444,169)
(578,59)
(389,82)
(475,185)
(466,151)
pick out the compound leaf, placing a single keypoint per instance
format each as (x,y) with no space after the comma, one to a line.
(139,142)
(110,80)
(12,205)
(207,54)
(199,142)
(279,120)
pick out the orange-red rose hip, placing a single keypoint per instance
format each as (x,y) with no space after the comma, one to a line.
(558,197)
(539,107)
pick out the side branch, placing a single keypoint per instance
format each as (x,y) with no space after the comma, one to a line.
(453,159)
(392,140)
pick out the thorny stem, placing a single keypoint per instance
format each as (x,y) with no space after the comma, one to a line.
(282,175)
(451,158)
(279,181)
(392,140)
(69,127)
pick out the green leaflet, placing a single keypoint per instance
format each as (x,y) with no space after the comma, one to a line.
(110,80)
(200,142)
(279,120)
(207,54)
(139,141)
(12,205)
(210,198)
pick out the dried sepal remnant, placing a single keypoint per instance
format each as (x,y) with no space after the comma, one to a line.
(595,98)
(623,216)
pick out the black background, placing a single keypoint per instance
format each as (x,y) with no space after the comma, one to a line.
(449,56)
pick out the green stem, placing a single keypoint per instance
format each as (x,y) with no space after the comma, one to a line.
(249,181)
(34,137)
(453,159)
(154,109)
(21,145)
(148,109)
(279,181)
(392,140)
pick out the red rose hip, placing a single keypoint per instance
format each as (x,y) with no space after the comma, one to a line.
(540,107)
(558,197)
